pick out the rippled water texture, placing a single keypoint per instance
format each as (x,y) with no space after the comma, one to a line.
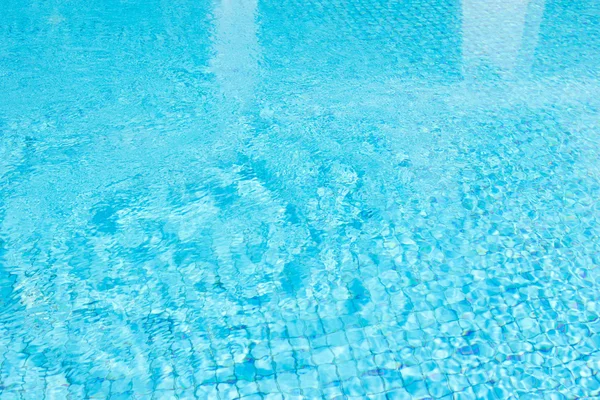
(267,199)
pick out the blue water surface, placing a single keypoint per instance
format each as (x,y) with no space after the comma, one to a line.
(275,199)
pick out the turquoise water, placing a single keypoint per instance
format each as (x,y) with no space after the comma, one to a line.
(266,199)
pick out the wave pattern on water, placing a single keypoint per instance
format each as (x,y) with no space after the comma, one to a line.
(264,199)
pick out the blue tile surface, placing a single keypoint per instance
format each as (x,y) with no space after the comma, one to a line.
(260,199)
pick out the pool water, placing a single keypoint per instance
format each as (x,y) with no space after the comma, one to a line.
(266,199)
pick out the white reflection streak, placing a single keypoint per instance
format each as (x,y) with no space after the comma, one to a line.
(235,61)
(531,33)
(500,33)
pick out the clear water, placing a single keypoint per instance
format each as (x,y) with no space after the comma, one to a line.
(267,199)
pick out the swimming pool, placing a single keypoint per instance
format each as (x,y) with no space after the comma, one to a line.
(267,199)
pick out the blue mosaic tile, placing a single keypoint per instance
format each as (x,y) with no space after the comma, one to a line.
(256,199)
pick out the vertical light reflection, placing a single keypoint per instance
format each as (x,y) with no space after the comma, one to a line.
(500,35)
(236,50)
(531,33)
